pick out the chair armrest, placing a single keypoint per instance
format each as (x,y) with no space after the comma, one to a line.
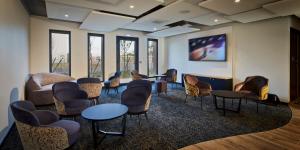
(46,117)
(263,92)
(115,82)
(238,86)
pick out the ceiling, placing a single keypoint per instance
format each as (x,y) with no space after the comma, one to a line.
(160,18)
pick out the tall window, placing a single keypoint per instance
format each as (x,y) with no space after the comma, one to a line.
(127,56)
(96,55)
(152,57)
(60,51)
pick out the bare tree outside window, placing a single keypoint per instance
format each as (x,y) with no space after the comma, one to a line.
(152,57)
(60,52)
(127,57)
(96,62)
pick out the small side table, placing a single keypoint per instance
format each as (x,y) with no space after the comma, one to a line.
(226,95)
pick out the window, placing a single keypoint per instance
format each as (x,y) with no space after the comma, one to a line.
(127,56)
(152,57)
(60,51)
(96,55)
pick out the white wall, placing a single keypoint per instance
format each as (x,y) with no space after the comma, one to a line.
(39,51)
(178,55)
(258,48)
(262,48)
(14,63)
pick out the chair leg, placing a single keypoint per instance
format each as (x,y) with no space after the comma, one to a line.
(185,98)
(246,100)
(146,115)
(201,98)
(256,106)
(139,120)
(195,98)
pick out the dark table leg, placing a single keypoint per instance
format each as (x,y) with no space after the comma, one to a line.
(215,101)
(124,124)
(224,106)
(239,109)
(94,128)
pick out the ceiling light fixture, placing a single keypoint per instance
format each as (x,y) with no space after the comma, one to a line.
(154,29)
(216,20)
(237,1)
(128,35)
(66,15)
(131,6)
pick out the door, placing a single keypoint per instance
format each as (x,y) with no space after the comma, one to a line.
(294,64)
(127,56)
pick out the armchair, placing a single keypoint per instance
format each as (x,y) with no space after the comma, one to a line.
(195,87)
(92,86)
(254,87)
(42,129)
(137,97)
(69,99)
(136,76)
(113,82)
(171,76)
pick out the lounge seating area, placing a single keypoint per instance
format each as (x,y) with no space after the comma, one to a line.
(149,74)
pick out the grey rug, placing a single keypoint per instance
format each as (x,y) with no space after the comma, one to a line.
(174,124)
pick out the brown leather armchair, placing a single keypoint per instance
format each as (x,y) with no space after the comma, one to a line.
(254,87)
(195,87)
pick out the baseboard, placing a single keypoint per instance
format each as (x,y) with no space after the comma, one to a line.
(4,132)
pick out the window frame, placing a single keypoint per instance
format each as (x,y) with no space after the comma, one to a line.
(136,51)
(50,48)
(156,40)
(102,52)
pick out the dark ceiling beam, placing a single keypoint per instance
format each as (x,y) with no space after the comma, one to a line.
(35,7)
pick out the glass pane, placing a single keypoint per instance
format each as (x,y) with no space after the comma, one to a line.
(127,57)
(60,53)
(152,57)
(95,60)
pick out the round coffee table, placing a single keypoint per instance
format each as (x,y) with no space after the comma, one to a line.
(105,112)
(225,95)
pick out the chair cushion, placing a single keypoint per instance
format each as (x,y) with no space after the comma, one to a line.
(71,127)
(50,78)
(76,106)
(191,80)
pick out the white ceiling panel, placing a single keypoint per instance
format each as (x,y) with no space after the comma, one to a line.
(229,7)
(117,6)
(251,16)
(210,19)
(177,11)
(147,26)
(104,22)
(284,7)
(58,11)
(173,31)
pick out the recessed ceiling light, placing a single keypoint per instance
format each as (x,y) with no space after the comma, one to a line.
(66,15)
(216,20)
(131,6)
(154,29)
(128,35)
(237,1)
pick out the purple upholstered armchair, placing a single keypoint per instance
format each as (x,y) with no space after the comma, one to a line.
(42,129)
(92,86)
(69,99)
(137,97)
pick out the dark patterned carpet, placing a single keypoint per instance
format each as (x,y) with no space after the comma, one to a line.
(174,124)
